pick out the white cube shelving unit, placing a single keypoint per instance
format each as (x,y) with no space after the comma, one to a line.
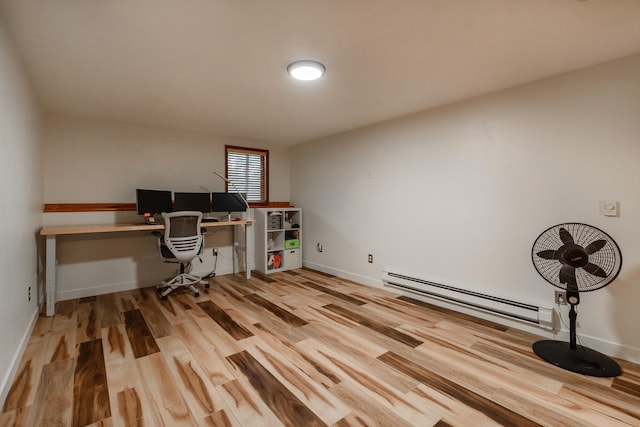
(278,236)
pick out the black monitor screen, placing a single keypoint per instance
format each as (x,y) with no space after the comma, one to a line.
(192,202)
(153,201)
(227,202)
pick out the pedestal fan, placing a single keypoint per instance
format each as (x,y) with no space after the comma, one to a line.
(577,258)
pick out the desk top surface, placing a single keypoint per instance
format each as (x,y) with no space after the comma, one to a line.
(114,228)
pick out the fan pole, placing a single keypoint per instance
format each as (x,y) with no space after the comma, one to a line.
(573,297)
(573,315)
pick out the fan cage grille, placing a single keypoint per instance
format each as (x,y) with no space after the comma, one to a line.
(608,257)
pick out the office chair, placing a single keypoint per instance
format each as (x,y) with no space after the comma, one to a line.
(181,243)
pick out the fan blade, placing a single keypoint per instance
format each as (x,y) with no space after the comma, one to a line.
(595,246)
(568,277)
(565,236)
(595,270)
(548,254)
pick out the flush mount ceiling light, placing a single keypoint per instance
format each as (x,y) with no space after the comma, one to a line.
(306,70)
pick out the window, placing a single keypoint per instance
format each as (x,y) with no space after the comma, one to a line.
(248,170)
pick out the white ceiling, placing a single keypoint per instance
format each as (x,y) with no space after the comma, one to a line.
(218,66)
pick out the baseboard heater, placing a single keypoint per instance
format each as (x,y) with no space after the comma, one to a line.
(541,316)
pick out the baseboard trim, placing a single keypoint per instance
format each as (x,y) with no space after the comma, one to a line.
(7,380)
(610,348)
(376,283)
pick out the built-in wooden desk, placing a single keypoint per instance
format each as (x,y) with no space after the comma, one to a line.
(51,234)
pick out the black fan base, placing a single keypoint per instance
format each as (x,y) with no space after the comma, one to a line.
(582,360)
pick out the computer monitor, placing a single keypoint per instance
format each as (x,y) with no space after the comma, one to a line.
(192,202)
(153,202)
(227,202)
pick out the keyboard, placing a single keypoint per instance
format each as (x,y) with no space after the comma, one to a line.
(209,219)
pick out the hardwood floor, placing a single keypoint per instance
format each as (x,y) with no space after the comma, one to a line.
(297,348)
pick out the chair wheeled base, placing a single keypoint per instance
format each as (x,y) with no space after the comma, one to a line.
(182,279)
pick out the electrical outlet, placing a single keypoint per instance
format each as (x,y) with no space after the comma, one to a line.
(29,295)
(561,297)
(215,251)
(319,247)
(370,258)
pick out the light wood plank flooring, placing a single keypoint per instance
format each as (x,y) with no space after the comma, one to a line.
(297,348)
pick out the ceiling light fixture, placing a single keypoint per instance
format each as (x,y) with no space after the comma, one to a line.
(306,70)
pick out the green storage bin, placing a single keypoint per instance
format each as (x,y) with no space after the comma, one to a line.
(292,244)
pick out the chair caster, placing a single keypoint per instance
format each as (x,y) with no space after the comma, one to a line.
(197,294)
(165,297)
(159,290)
(206,286)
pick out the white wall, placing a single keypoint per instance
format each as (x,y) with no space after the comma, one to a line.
(89,161)
(459,194)
(20,209)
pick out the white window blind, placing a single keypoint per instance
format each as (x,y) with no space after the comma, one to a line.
(247,169)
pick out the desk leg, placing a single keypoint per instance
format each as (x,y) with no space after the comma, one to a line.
(247,250)
(234,248)
(50,275)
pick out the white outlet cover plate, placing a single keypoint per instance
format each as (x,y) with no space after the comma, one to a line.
(610,208)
